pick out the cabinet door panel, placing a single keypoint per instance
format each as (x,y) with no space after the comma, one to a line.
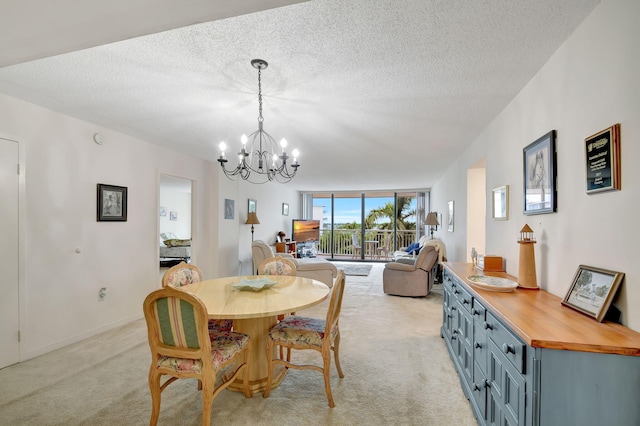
(507,389)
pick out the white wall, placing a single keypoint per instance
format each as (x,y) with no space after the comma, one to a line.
(589,84)
(62,165)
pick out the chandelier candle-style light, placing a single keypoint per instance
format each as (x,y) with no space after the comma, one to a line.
(259,162)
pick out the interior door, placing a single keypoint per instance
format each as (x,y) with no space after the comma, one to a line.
(9,302)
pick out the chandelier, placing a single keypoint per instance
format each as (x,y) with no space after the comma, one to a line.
(259,162)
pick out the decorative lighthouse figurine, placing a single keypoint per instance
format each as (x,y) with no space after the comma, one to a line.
(527,265)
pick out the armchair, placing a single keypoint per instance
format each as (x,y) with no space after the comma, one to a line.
(315,268)
(411,276)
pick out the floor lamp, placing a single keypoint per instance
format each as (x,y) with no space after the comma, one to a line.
(252,219)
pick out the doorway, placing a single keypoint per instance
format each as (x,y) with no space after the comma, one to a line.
(9,257)
(175,220)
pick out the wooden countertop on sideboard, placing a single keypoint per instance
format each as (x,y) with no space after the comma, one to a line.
(540,319)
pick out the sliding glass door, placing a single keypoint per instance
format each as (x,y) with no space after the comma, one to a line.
(368,226)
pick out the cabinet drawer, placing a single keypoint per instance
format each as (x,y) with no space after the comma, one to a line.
(463,297)
(508,343)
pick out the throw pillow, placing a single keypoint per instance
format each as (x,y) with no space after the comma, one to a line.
(413,247)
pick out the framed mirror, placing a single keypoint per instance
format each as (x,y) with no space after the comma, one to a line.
(500,203)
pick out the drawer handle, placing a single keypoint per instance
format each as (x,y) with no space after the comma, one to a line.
(475,312)
(465,302)
(476,387)
(453,308)
(508,348)
(487,326)
(455,291)
(477,345)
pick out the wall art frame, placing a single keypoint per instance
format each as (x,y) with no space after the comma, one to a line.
(592,291)
(450,218)
(602,155)
(111,203)
(229,208)
(173,215)
(500,203)
(285,209)
(539,172)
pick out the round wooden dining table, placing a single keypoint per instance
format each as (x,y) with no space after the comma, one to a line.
(255,312)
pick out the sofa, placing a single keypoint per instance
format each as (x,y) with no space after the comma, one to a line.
(315,268)
(411,276)
(422,242)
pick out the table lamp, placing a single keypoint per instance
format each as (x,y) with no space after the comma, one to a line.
(431,221)
(252,219)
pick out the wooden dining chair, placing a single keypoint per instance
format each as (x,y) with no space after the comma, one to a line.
(299,333)
(182,346)
(184,274)
(278,265)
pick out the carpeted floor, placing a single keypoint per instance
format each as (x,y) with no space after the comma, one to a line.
(397,372)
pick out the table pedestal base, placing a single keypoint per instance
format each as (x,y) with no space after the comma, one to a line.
(258,330)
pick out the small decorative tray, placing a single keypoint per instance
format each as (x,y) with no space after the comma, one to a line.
(254,284)
(492,283)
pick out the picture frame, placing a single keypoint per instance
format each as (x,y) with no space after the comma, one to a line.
(450,218)
(592,291)
(163,211)
(229,208)
(173,215)
(602,156)
(540,195)
(285,209)
(500,203)
(111,203)
(252,206)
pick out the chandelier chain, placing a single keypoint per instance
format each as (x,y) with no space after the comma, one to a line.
(260,118)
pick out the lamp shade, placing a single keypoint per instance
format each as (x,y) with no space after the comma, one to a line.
(432,219)
(252,219)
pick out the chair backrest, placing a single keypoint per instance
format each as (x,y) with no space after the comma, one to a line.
(260,251)
(335,303)
(182,274)
(277,266)
(177,325)
(427,258)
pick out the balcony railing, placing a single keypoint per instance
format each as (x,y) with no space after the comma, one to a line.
(343,240)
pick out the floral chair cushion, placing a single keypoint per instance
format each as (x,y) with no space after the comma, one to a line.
(277,268)
(301,330)
(222,325)
(182,277)
(223,347)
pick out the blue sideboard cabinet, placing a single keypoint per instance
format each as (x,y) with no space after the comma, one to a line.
(524,359)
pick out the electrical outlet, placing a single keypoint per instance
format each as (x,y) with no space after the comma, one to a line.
(102,293)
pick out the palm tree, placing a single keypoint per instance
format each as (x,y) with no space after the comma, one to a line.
(397,214)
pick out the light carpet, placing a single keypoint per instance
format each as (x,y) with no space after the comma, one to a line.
(397,372)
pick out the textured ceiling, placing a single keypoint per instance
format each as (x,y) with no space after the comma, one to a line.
(374,94)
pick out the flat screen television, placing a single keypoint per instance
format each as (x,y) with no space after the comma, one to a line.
(305,230)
